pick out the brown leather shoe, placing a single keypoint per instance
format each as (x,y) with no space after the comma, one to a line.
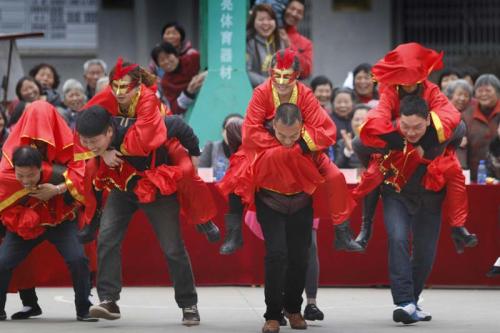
(271,326)
(296,320)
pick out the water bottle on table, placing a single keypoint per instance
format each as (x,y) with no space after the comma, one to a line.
(481,172)
(220,168)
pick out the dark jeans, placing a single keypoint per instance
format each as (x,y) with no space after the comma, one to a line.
(64,237)
(409,271)
(287,241)
(163,214)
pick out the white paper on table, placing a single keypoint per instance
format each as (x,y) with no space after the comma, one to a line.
(467,176)
(206,174)
(351,175)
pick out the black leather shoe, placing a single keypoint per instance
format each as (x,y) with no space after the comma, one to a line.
(210,230)
(344,240)
(365,233)
(312,312)
(233,239)
(3,315)
(369,206)
(33,312)
(494,271)
(86,318)
(462,238)
(282,320)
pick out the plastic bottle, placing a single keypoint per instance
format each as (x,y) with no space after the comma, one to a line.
(481,173)
(331,153)
(220,168)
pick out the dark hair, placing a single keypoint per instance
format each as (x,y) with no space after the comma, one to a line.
(448,71)
(303,2)
(295,65)
(364,67)
(177,27)
(470,71)
(34,71)
(343,90)
(27,156)
(229,116)
(251,22)
(414,105)
(360,106)
(319,81)
(19,85)
(163,47)
(288,113)
(137,74)
(93,121)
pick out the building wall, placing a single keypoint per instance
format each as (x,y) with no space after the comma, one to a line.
(129,32)
(342,40)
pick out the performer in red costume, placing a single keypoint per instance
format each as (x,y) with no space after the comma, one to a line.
(27,212)
(149,184)
(318,133)
(403,72)
(131,98)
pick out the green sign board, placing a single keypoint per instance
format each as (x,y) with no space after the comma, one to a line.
(226,88)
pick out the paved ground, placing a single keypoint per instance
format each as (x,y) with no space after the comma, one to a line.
(239,309)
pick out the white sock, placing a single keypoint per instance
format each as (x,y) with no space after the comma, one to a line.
(26,309)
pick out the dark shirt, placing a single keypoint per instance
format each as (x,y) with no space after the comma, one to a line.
(413,194)
(341,124)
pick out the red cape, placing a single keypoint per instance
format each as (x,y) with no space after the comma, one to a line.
(445,117)
(41,121)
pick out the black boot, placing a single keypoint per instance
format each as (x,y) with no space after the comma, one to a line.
(462,238)
(233,239)
(89,232)
(210,230)
(369,206)
(344,240)
(494,271)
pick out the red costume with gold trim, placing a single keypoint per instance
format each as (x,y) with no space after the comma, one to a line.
(407,64)
(318,133)
(144,136)
(39,123)
(397,167)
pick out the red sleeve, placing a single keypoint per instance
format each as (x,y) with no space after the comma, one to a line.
(449,117)
(149,131)
(254,135)
(379,119)
(319,130)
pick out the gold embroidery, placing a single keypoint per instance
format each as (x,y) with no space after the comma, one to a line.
(293,97)
(13,198)
(439,127)
(83,156)
(309,141)
(72,189)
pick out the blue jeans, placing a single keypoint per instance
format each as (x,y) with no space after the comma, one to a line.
(408,271)
(14,249)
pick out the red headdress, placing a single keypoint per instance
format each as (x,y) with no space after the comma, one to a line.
(283,72)
(407,64)
(284,59)
(121,71)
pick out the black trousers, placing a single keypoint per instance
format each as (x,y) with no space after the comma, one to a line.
(64,237)
(287,240)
